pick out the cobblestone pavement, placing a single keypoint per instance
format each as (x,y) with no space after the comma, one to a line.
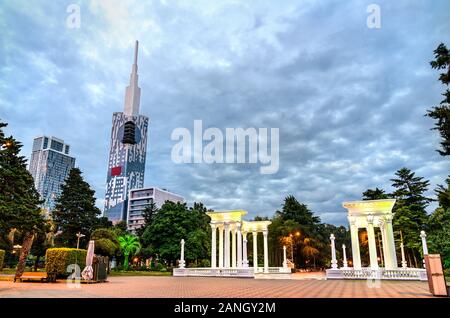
(197,287)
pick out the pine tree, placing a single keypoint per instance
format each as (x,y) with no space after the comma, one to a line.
(300,213)
(410,214)
(441,113)
(19,200)
(75,210)
(148,213)
(375,194)
(443,194)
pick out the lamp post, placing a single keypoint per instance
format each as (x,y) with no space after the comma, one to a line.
(79,235)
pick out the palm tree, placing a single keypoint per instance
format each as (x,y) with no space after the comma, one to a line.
(309,250)
(129,244)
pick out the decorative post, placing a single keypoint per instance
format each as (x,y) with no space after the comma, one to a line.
(213,246)
(333,253)
(182,263)
(345,256)
(423,236)
(284,257)
(402,249)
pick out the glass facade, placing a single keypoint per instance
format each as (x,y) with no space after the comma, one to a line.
(49,169)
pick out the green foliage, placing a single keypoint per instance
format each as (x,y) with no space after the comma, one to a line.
(148,213)
(443,194)
(57,259)
(75,210)
(299,213)
(129,245)
(120,228)
(106,241)
(441,113)
(2,258)
(173,222)
(375,194)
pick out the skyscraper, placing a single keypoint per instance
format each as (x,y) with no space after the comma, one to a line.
(126,165)
(50,165)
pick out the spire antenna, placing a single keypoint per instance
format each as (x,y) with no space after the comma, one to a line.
(136,48)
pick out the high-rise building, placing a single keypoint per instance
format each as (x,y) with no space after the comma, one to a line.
(139,199)
(50,165)
(126,165)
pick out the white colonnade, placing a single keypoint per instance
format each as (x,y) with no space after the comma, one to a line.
(232,245)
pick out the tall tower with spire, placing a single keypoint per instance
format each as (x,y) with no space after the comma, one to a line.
(127,153)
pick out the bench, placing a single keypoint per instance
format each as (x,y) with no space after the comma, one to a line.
(42,276)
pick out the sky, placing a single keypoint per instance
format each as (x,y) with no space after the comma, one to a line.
(349,101)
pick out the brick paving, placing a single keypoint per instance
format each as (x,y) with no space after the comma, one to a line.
(200,287)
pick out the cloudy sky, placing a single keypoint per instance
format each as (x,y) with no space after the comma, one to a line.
(348,100)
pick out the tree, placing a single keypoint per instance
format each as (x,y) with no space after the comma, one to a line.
(129,244)
(75,210)
(106,242)
(443,194)
(375,194)
(441,113)
(410,215)
(19,200)
(173,222)
(148,213)
(300,213)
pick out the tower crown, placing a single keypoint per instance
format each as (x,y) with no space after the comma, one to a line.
(133,91)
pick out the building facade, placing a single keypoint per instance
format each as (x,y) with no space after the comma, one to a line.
(50,165)
(139,199)
(127,154)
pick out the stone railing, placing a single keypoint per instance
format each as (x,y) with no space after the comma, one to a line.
(388,274)
(227,272)
(214,272)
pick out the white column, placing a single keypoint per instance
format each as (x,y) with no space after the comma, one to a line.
(372,243)
(227,245)
(423,236)
(244,250)
(255,252)
(386,253)
(345,256)
(391,242)
(266,252)
(355,244)
(239,245)
(233,247)
(182,263)
(402,249)
(333,253)
(213,246)
(284,257)
(221,246)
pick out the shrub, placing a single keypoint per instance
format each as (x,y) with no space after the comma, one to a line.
(2,258)
(163,269)
(105,247)
(57,259)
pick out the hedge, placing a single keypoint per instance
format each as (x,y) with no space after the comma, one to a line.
(57,259)
(2,258)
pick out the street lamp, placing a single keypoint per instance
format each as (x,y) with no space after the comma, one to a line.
(79,235)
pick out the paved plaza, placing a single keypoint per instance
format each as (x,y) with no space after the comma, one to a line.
(200,287)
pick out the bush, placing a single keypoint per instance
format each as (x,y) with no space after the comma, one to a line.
(2,258)
(57,259)
(105,247)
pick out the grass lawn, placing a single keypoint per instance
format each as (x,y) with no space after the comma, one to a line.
(139,273)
